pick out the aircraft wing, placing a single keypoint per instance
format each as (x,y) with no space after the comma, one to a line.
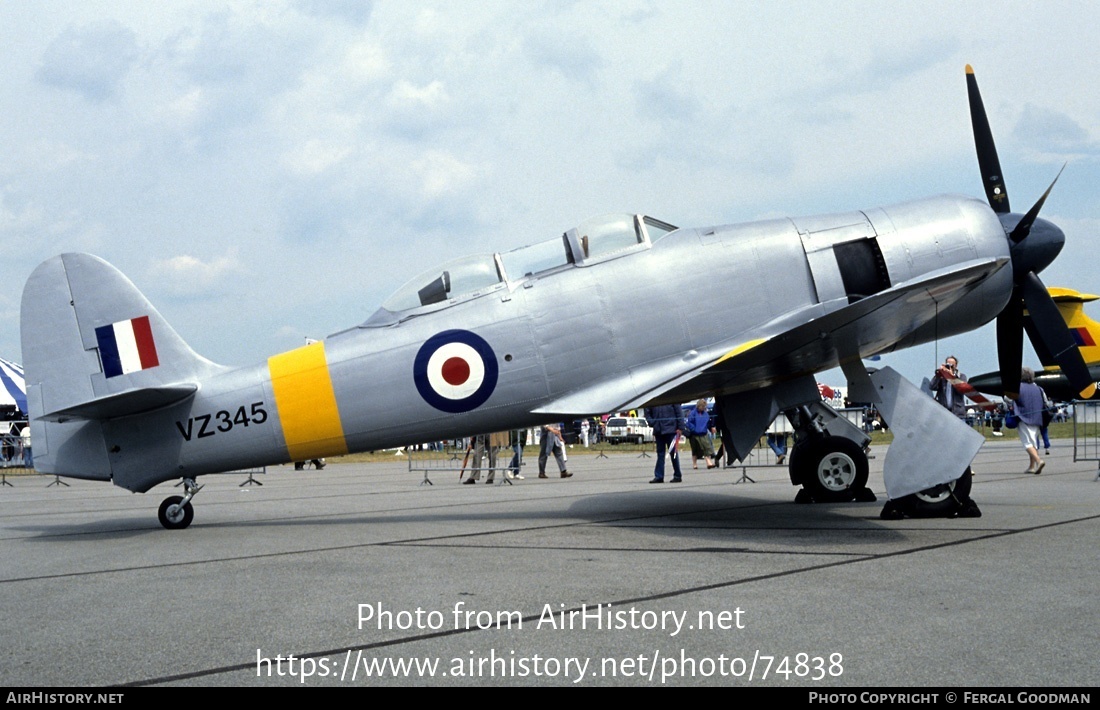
(802,342)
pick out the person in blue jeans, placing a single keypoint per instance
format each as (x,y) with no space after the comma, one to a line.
(778,444)
(667,421)
(517,438)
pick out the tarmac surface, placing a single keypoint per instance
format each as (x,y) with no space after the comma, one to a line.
(358,576)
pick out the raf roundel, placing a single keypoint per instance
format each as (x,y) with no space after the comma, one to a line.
(455,371)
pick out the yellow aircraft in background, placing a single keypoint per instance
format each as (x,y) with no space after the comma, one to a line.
(1085,332)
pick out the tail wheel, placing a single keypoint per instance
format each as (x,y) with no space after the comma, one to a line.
(831,470)
(174,516)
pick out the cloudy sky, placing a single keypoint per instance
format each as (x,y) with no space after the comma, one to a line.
(266,171)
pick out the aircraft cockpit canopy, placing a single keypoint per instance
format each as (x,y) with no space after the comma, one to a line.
(468,274)
(593,241)
(614,234)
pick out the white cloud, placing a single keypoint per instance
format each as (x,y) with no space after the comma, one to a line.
(190,277)
(185,109)
(418,112)
(364,61)
(315,156)
(442,174)
(406,95)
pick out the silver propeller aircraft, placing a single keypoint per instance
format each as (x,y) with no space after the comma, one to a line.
(498,341)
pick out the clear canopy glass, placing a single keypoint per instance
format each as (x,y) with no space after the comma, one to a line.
(465,275)
(472,275)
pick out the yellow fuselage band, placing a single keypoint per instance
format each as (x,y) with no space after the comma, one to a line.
(306,402)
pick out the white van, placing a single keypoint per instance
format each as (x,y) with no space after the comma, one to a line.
(631,430)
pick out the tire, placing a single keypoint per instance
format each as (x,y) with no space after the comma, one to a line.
(831,470)
(173,516)
(939,501)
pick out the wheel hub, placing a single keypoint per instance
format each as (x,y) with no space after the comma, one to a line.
(936,494)
(837,472)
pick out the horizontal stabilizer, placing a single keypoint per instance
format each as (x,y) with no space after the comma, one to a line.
(123,404)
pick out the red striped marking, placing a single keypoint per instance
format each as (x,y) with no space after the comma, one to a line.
(147,349)
(1084,337)
(965,388)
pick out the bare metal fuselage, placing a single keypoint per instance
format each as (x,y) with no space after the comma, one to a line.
(577,334)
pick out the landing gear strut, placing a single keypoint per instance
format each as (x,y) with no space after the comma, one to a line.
(176,512)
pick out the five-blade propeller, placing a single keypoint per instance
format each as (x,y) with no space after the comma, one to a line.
(1033,244)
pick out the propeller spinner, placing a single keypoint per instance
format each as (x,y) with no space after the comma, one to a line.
(1034,243)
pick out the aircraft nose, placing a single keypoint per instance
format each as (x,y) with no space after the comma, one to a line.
(1038,249)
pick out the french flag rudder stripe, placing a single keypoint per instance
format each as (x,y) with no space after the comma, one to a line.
(126,346)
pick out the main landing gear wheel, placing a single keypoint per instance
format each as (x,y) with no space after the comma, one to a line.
(174,514)
(831,470)
(946,500)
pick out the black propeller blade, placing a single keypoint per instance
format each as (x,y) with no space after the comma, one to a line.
(1023,227)
(1028,257)
(1054,334)
(988,163)
(1010,344)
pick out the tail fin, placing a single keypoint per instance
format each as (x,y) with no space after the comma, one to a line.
(94,348)
(1085,331)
